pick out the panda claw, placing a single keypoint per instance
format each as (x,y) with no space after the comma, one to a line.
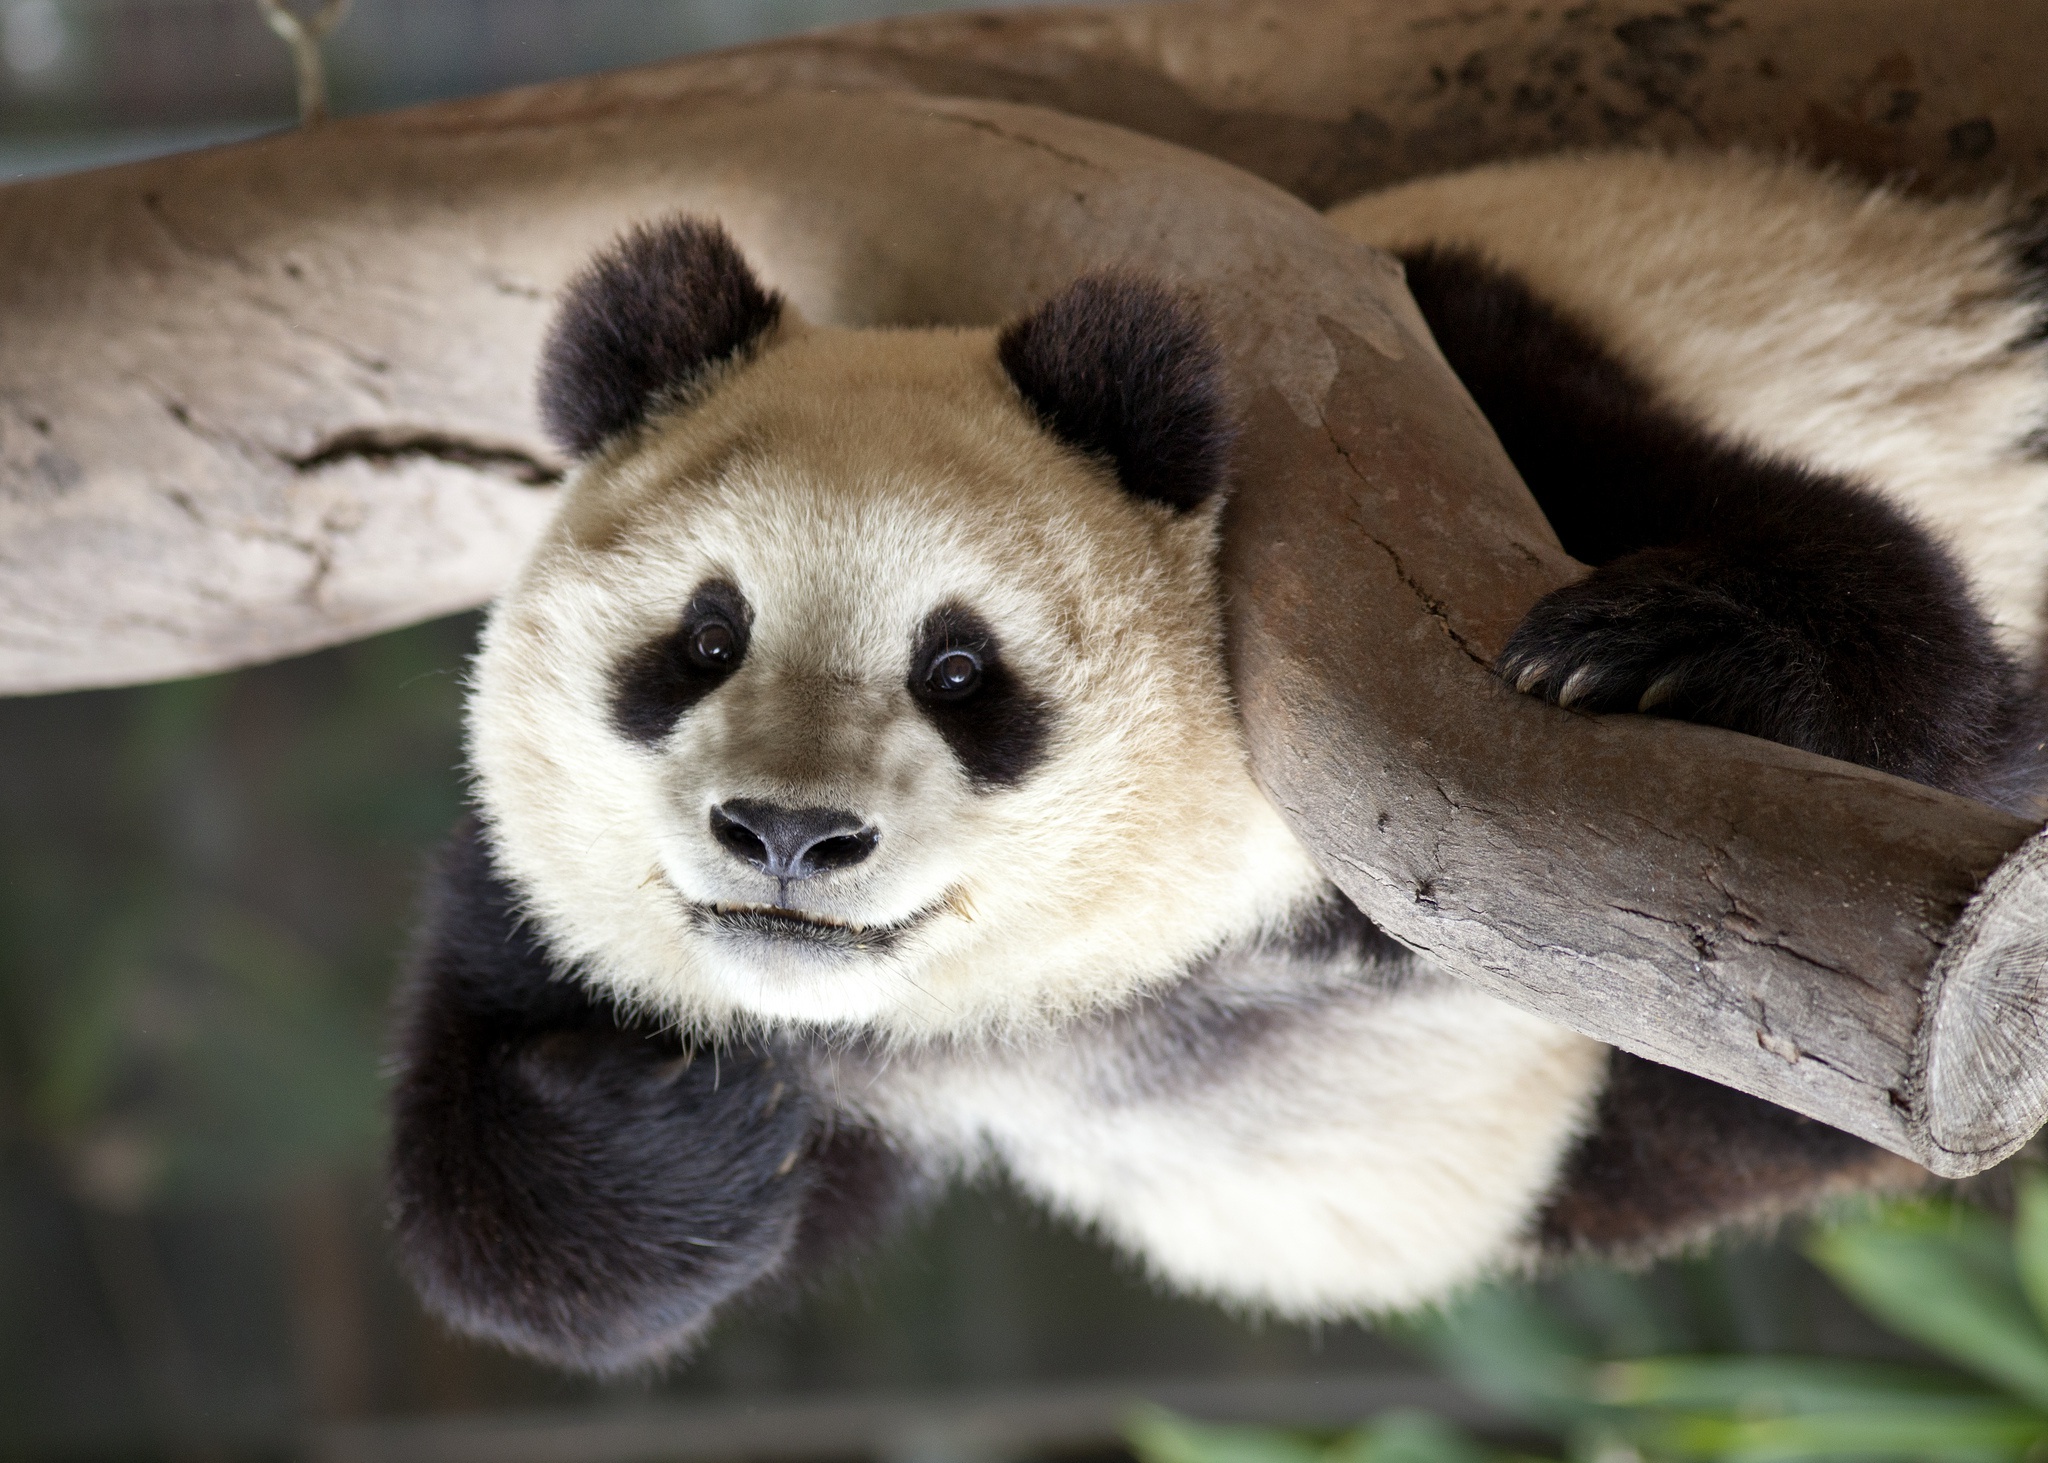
(1576,685)
(1531,676)
(1658,692)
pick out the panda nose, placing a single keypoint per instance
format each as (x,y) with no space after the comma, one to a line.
(792,843)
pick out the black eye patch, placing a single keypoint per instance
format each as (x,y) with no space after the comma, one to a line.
(993,725)
(656,684)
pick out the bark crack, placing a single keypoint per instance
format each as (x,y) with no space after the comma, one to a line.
(1428,601)
(981,124)
(391,446)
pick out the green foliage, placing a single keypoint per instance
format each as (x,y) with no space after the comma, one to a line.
(1946,1276)
(1158,1436)
(1403,1436)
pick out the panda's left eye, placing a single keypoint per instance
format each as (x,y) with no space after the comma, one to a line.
(953,674)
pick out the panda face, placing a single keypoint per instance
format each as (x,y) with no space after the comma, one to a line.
(849,694)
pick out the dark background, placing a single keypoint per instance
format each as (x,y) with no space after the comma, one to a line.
(204,889)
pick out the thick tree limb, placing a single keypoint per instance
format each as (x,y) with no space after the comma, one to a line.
(276,396)
(410,502)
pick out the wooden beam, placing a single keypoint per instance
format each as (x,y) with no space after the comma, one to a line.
(397,472)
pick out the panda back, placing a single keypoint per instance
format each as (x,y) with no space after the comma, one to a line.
(1891,340)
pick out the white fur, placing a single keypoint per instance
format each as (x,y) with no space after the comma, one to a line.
(1370,1149)
(1859,330)
(849,482)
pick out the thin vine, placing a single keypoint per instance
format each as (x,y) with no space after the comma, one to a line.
(304,33)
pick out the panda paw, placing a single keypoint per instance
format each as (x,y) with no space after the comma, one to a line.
(580,1187)
(1639,637)
(1782,645)
(591,1196)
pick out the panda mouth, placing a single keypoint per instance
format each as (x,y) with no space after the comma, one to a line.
(777,923)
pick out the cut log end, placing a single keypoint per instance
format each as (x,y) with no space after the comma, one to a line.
(1986,1087)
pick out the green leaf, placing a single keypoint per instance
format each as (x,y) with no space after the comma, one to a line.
(1502,1343)
(1931,1431)
(1159,1436)
(1406,1436)
(2030,1240)
(1772,1385)
(1623,1315)
(1943,1275)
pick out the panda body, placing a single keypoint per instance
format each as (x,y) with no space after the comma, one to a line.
(1288,1129)
(736,805)
(1892,340)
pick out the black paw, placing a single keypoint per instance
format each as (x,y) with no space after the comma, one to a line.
(581,1188)
(1781,650)
(1626,640)
(590,1197)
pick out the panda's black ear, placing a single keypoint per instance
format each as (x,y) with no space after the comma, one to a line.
(645,318)
(1117,366)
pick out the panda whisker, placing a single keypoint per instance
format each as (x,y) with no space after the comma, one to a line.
(888,1061)
(942,1005)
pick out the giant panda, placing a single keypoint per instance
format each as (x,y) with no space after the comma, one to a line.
(859,800)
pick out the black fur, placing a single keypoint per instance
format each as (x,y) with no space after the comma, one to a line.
(1731,588)
(1673,1157)
(647,317)
(1116,366)
(1337,929)
(656,684)
(860,1188)
(999,733)
(2029,239)
(585,1188)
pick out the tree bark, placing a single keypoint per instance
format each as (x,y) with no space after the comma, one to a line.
(271,397)
(398,475)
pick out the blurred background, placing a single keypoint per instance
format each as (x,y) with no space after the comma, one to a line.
(204,890)
(90,81)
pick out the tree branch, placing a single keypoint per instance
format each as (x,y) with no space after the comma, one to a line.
(304,33)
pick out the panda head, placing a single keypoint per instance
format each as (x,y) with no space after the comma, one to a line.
(873,677)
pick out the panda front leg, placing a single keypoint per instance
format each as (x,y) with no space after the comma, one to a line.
(1730,588)
(587,1188)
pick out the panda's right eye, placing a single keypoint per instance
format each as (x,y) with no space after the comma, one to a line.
(654,685)
(715,646)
